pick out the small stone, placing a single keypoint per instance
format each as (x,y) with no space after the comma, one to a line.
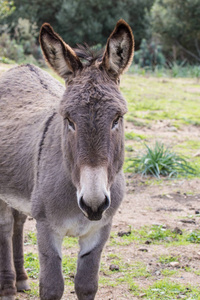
(142,295)
(174,264)
(197,212)
(148,242)
(143,249)
(197,154)
(122,233)
(114,267)
(157,273)
(177,231)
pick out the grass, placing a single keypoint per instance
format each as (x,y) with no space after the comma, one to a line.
(156,234)
(165,289)
(166,259)
(150,99)
(160,161)
(194,237)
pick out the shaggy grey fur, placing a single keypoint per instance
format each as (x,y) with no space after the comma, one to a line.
(49,137)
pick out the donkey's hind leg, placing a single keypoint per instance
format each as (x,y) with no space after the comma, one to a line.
(18,253)
(7,271)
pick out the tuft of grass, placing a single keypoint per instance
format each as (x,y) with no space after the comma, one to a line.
(134,136)
(31,238)
(69,269)
(70,242)
(194,237)
(161,161)
(31,264)
(166,259)
(166,289)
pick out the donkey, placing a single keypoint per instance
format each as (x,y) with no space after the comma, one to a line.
(61,157)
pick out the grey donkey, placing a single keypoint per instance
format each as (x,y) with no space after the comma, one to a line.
(61,157)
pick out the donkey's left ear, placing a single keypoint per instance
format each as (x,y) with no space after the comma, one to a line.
(119,50)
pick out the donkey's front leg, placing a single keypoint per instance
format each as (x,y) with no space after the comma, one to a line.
(18,253)
(86,280)
(51,279)
(7,271)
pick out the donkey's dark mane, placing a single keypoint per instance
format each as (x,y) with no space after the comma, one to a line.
(88,55)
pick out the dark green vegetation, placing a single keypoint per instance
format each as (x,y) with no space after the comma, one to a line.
(166,32)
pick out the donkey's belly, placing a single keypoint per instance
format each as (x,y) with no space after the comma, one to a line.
(18,202)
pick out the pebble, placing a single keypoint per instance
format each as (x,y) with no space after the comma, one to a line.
(177,231)
(148,242)
(114,267)
(174,264)
(122,233)
(157,273)
(143,249)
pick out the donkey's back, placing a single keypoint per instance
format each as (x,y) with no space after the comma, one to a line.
(61,157)
(28,98)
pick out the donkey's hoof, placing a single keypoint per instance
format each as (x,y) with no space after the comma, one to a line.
(22,285)
(7,297)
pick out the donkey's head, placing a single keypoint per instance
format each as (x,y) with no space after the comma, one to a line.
(92,110)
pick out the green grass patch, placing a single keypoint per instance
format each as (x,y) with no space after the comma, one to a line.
(160,161)
(70,242)
(31,238)
(157,235)
(166,259)
(151,99)
(168,273)
(31,264)
(34,292)
(166,289)
(134,136)
(126,273)
(194,237)
(69,269)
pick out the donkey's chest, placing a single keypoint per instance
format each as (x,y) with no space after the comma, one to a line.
(78,226)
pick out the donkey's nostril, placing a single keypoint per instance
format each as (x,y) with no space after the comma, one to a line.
(82,204)
(106,203)
(94,214)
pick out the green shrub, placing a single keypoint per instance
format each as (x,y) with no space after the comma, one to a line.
(161,161)
(149,55)
(194,237)
(10,49)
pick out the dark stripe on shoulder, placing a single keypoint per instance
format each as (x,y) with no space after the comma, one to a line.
(46,127)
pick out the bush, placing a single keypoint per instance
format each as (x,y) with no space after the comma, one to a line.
(161,161)
(149,55)
(10,49)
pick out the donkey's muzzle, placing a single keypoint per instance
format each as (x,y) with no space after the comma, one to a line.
(94,215)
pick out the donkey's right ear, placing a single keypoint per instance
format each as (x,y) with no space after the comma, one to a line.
(60,56)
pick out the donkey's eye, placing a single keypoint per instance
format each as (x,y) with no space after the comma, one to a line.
(71,124)
(115,122)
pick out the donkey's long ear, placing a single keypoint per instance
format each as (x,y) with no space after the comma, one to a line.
(60,56)
(119,50)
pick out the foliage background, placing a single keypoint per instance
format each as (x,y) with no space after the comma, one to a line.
(165,31)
